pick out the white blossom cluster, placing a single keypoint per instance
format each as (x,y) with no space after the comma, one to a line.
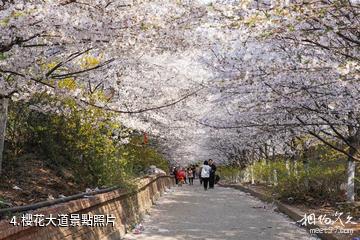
(207,79)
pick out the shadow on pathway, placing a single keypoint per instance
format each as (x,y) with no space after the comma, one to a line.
(191,213)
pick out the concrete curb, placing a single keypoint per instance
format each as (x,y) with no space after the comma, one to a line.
(290,211)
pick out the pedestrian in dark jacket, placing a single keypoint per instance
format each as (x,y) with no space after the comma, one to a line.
(175,174)
(212,174)
(200,178)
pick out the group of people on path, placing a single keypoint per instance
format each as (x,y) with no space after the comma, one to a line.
(182,175)
(206,174)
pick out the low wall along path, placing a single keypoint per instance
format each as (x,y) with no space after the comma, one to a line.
(113,213)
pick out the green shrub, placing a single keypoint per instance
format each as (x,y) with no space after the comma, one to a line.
(315,181)
(230,173)
(85,140)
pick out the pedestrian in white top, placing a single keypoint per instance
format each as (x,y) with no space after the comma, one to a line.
(205,174)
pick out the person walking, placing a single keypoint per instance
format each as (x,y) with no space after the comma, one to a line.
(175,170)
(193,168)
(212,174)
(199,174)
(190,175)
(181,176)
(205,174)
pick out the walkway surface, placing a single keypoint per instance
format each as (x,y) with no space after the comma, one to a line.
(189,213)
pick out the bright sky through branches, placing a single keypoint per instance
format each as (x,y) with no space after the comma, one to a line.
(204,78)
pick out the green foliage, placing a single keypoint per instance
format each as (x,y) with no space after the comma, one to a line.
(311,180)
(229,173)
(2,56)
(140,157)
(318,181)
(317,176)
(85,140)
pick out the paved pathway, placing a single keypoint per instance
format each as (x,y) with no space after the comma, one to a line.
(191,213)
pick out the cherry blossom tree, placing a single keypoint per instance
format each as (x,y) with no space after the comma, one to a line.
(87,50)
(239,80)
(294,68)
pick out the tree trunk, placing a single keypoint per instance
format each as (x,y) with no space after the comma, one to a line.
(287,166)
(246,176)
(252,174)
(275,177)
(350,190)
(354,141)
(270,177)
(295,166)
(4,103)
(305,160)
(306,169)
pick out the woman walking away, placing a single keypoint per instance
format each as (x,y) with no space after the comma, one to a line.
(205,174)
(190,176)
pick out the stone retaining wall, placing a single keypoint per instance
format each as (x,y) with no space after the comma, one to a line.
(126,207)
